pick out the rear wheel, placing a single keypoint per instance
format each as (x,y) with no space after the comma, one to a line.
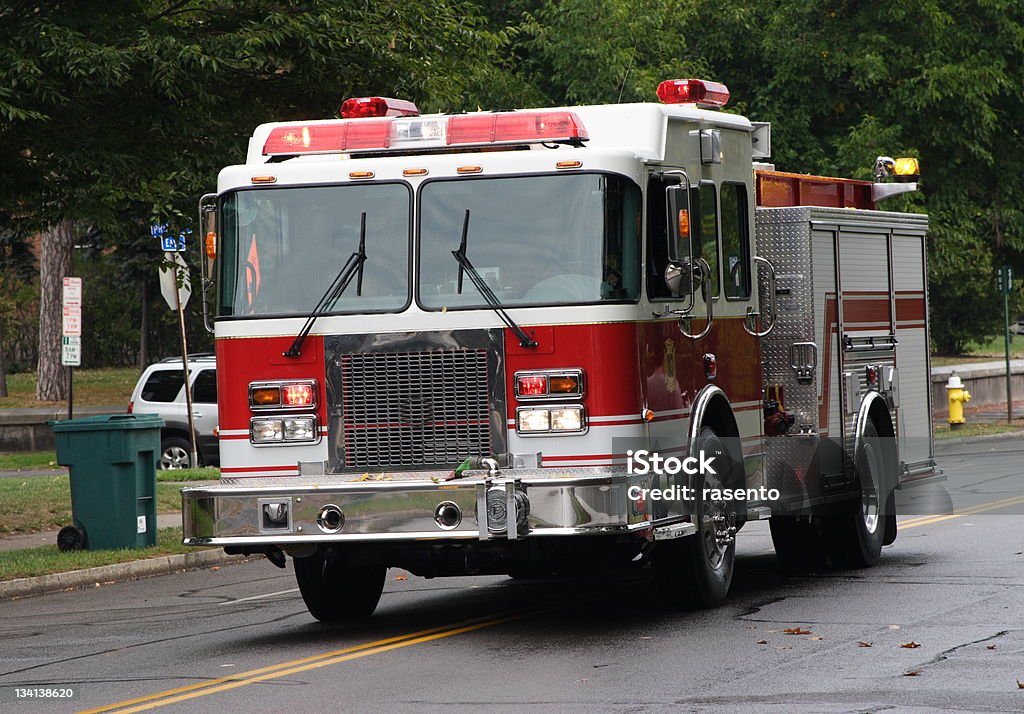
(696,571)
(335,591)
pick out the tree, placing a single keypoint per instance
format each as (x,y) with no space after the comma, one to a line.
(116,117)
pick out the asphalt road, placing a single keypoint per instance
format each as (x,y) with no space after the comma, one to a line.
(240,638)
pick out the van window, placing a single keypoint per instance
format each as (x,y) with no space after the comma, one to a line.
(204,387)
(163,385)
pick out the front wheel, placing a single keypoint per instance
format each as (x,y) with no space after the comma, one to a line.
(335,591)
(696,571)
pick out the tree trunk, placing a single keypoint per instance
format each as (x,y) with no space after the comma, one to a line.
(55,249)
(144,327)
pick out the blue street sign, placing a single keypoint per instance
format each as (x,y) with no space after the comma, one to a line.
(157,230)
(170,244)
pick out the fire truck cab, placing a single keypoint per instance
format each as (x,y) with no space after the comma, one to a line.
(555,339)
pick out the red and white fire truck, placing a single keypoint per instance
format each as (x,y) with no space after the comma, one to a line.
(452,344)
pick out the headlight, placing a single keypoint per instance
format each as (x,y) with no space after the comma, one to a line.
(534,420)
(567,419)
(299,429)
(551,420)
(265,431)
(284,430)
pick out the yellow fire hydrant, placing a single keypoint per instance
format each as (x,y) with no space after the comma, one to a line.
(957,396)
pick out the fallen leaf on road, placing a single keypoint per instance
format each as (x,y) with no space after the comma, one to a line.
(816,638)
(911,673)
(910,645)
(862,643)
(784,647)
(1020,684)
(762,642)
(797,631)
(894,627)
(401,577)
(216,567)
(991,647)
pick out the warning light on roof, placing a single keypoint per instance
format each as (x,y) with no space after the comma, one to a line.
(906,167)
(363,107)
(693,91)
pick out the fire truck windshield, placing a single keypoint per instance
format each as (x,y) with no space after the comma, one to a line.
(282,247)
(536,240)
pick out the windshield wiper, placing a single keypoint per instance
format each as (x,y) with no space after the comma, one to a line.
(353,268)
(466,267)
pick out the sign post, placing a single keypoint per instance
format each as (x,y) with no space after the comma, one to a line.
(1004,275)
(71,339)
(176,289)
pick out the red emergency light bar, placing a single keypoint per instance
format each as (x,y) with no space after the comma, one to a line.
(693,91)
(363,107)
(515,126)
(431,132)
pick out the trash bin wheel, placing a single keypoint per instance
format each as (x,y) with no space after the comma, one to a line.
(175,453)
(70,538)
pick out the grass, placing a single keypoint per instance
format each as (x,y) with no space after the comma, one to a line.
(40,503)
(29,461)
(92,387)
(942,431)
(47,559)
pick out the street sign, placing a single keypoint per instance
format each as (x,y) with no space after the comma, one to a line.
(1004,279)
(167,277)
(168,243)
(71,303)
(71,351)
(71,321)
(72,291)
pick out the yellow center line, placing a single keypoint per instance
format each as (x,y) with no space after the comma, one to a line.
(927,520)
(300,665)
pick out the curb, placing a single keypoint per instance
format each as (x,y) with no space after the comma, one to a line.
(118,572)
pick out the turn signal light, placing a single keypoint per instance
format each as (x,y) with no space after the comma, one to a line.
(549,383)
(283,395)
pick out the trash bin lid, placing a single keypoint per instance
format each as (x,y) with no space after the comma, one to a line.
(109,422)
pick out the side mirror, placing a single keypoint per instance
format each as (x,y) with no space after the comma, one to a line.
(677,200)
(683,277)
(208,250)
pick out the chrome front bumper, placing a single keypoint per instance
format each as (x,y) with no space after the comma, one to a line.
(516,503)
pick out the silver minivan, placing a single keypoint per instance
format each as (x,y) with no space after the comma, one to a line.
(160,390)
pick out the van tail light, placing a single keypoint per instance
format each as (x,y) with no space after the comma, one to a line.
(131,407)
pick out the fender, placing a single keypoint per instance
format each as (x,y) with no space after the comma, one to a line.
(875,407)
(712,408)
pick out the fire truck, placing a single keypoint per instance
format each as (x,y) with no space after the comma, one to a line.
(464,343)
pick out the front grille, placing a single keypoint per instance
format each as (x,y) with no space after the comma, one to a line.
(420,409)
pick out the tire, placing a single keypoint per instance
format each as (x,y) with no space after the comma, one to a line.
(175,453)
(335,591)
(857,536)
(696,572)
(71,538)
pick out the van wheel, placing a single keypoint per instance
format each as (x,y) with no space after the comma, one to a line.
(696,571)
(335,591)
(175,453)
(858,535)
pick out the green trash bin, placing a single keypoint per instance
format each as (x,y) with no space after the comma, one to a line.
(112,462)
